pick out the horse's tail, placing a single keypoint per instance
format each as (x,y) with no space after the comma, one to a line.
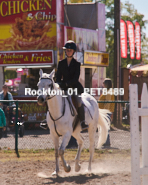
(104,122)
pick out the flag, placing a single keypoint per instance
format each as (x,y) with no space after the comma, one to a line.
(123,38)
(131,36)
(138,40)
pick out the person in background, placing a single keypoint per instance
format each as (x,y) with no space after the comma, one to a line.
(2,122)
(107,83)
(5,95)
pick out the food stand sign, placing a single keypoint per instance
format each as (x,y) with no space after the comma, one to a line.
(27,25)
(26,57)
(85,39)
(96,58)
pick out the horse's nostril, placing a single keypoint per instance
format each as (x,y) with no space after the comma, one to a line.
(40,100)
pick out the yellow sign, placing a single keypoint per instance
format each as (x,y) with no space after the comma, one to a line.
(96,58)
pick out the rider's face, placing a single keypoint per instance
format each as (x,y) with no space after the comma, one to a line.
(69,52)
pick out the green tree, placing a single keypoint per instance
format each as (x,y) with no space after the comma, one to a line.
(128,12)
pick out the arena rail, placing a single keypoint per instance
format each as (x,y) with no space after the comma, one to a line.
(135,112)
(35,101)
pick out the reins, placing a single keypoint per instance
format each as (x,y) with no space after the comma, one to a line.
(48,98)
(58,118)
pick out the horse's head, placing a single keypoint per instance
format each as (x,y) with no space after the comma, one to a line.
(45,85)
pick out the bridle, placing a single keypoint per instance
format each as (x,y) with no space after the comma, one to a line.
(51,85)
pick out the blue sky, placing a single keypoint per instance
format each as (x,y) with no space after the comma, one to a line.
(142,7)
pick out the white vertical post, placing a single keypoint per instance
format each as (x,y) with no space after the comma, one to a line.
(144,129)
(134,126)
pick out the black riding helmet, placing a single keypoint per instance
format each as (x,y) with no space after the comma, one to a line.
(70,44)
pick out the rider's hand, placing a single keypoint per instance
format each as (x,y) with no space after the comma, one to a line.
(63,85)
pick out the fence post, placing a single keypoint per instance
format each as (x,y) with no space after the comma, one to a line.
(134,129)
(16,130)
(144,130)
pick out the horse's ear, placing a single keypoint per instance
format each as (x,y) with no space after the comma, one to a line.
(41,73)
(51,75)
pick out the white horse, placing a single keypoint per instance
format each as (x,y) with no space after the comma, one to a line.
(60,121)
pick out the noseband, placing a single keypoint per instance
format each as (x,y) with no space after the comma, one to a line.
(51,85)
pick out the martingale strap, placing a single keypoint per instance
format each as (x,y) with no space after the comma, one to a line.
(58,118)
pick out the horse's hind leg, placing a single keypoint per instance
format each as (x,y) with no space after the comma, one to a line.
(91,131)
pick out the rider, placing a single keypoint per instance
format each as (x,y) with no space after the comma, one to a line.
(67,76)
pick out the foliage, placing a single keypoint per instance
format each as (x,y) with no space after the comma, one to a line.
(128,12)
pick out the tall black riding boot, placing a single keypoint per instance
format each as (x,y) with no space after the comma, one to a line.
(81,115)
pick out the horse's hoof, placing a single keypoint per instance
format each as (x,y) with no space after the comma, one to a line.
(55,173)
(77,168)
(88,171)
(68,168)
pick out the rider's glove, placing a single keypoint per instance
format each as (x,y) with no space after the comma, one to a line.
(63,85)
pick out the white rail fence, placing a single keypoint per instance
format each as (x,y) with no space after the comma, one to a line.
(136,170)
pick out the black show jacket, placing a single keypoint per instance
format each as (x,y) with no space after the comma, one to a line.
(69,74)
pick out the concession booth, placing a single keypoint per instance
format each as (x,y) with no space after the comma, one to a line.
(31,35)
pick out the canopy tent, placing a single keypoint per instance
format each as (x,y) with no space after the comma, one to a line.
(139,71)
(139,75)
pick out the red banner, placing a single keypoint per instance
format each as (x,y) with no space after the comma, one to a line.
(26,57)
(123,37)
(131,36)
(138,40)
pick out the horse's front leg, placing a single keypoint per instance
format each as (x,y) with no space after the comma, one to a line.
(65,141)
(79,139)
(56,143)
(57,162)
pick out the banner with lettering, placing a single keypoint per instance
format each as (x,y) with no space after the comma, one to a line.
(27,25)
(96,58)
(131,36)
(123,38)
(138,40)
(42,57)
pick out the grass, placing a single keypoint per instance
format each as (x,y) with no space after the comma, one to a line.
(48,154)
